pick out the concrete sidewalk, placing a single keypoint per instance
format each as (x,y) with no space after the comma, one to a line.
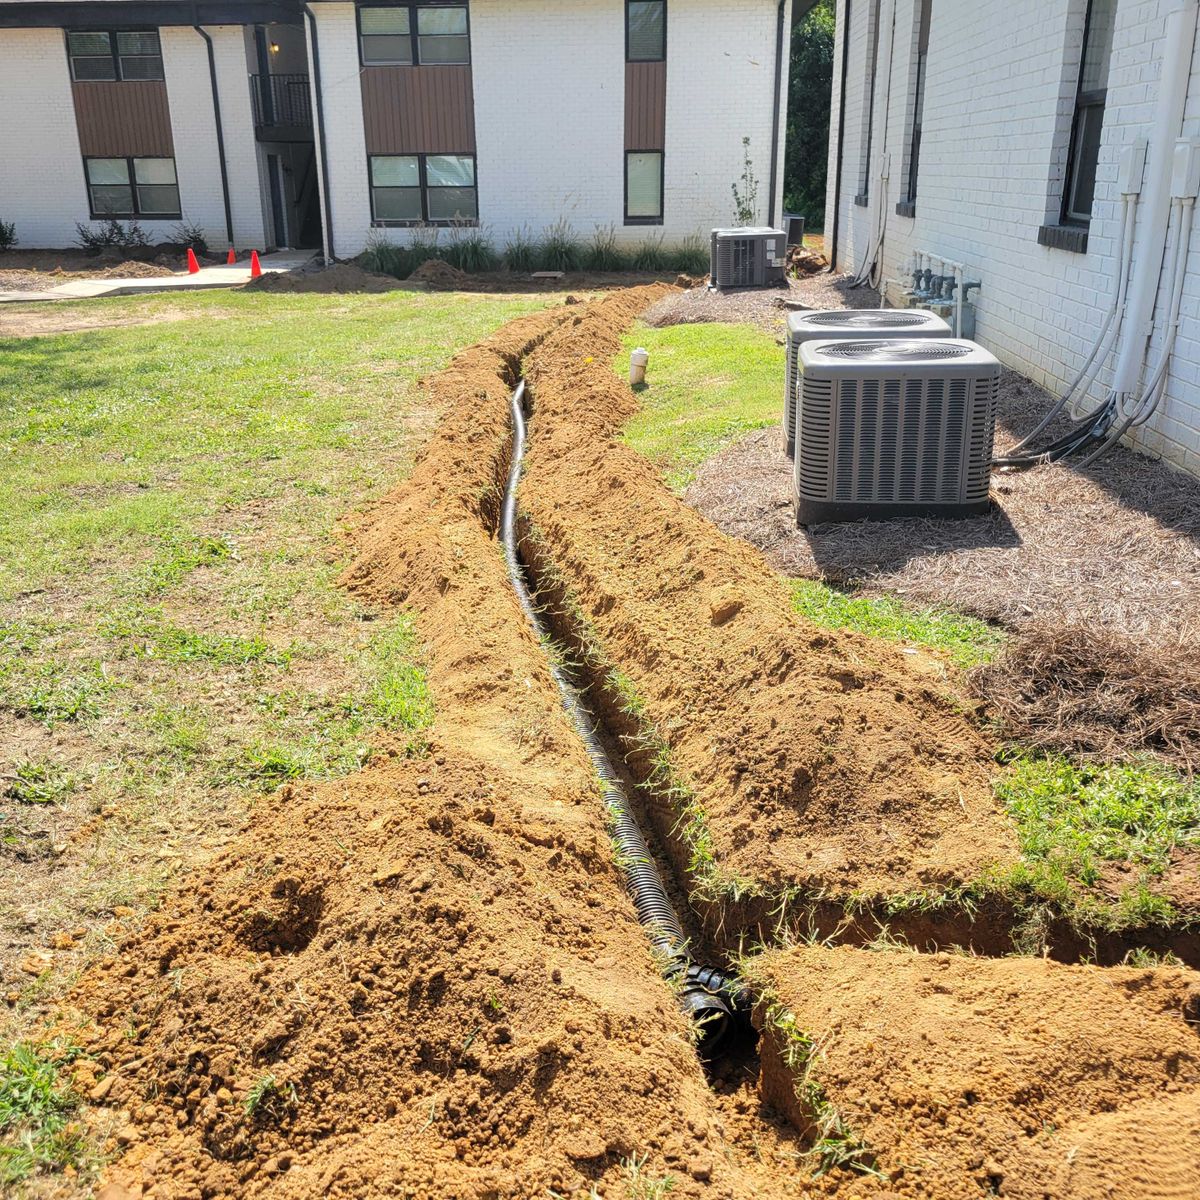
(207,277)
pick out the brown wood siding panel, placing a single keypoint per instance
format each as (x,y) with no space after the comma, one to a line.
(418,110)
(118,119)
(646,106)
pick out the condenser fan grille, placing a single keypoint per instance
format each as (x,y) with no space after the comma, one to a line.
(870,318)
(895,351)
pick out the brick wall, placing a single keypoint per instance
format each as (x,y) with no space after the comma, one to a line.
(998,102)
(193,126)
(42,187)
(549,83)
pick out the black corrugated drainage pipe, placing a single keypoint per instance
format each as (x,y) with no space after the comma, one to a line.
(705,994)
(216,98)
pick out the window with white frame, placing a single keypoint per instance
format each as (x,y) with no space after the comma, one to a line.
(414,35)
(132,187)
(424,189)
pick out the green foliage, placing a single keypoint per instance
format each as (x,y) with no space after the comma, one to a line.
(111,233)
(190,237)
(397,695)
(966,640)
(745,190)
(560,248)
(640,1184)
(807,156)
(8,235)
(708,385)
(53,691)
(1072,818)
(521,253)
(36,1107)
(603,252)
(471,251)
(38,783)
(147,634)
(179,557)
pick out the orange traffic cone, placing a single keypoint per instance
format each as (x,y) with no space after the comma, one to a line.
(231,258)
(193,265)
(255,265)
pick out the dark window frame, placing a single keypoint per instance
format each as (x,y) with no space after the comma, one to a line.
(666,27)
(424,220)
(662,189)
(908,205)
(136,214)
(414,36)
(114,54)
(1088,101)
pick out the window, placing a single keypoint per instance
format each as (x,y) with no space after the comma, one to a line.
(123,55)
(132,187)
(907,206)
(1088,124)
(414,189)
(645,30)
(412,34)
(643,187)
(872,70)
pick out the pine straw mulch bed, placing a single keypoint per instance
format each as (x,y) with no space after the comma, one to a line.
(1096,695)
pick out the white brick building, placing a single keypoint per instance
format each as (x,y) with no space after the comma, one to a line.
(1015,118)
(512,115)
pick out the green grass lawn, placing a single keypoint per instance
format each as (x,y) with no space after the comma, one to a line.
(172,640)
(708,385)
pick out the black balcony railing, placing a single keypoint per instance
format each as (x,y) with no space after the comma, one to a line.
(281,100)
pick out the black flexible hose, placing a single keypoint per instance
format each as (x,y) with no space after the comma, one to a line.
(705,994)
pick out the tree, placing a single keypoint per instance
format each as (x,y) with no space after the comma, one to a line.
(809,94)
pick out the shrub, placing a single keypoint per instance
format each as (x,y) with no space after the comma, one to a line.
(470,250)
(560,249)
(521,253)
(650,256)
(691,256)
(190,237)
(400,262)
(8,235)
(111,233)
(603,253)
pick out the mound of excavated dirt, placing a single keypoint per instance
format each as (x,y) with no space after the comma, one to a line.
(439,274)
(819,759)
(424,979)
(335,280)
(1011,1077)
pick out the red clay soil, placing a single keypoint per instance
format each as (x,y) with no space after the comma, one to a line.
(821,759)
(1013,1077)
(425,979)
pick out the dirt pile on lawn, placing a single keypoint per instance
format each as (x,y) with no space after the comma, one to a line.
(438,274)
(817,758)
(424,979)
(343,278)
(1095,694)
(1011,1077)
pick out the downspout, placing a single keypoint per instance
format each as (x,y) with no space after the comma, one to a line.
(841,143)
(778,111)
(216,99)
(326,211)
(1180,35)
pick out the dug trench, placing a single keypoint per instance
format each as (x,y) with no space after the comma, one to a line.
(426,979)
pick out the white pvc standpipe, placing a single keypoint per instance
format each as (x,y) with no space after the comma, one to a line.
(1168,120)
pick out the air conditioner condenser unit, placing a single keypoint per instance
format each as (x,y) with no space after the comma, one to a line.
(847,324)
(889,428)
(748,257)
